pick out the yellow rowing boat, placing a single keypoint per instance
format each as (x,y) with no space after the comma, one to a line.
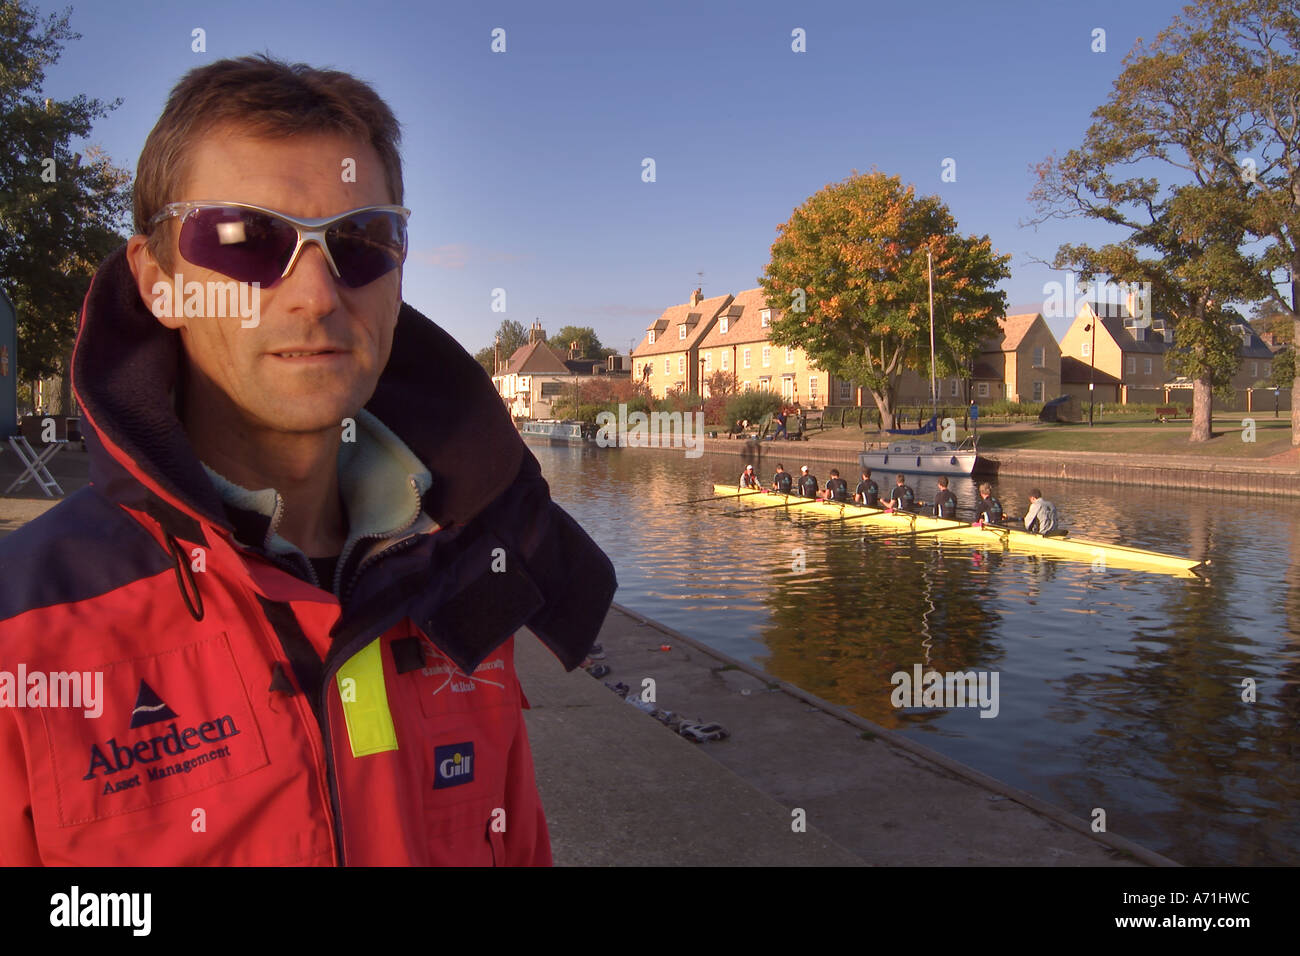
(1099,554)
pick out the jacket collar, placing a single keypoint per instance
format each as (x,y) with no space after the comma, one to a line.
(126,364)
(381,481)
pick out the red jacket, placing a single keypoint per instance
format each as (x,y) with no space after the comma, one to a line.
(247,715)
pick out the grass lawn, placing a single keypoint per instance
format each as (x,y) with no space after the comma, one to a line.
(1272,437)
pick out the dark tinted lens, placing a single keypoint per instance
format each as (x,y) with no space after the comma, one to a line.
(367,246)
(240,243)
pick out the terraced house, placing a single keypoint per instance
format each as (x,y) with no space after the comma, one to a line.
(668,357)
(735,338)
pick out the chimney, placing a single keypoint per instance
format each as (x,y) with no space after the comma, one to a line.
(697,296)
(573,349)
(535,333)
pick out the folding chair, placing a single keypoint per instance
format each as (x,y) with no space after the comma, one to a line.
(35,464)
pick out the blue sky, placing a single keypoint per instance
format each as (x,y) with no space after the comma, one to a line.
(523,168)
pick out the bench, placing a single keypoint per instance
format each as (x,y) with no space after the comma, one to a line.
(1168,411)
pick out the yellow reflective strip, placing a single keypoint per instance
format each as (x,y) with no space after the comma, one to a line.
(365,702)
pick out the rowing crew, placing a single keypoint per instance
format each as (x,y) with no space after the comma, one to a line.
(1039,519)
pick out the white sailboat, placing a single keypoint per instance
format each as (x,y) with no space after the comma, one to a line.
(915,455)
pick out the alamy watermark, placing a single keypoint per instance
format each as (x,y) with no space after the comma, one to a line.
(951,689)
(84,689)
(213,300)
(1109,299)
(651,430)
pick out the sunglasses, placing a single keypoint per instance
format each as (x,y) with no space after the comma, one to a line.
(254,244)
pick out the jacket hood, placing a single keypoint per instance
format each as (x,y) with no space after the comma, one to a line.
(126,363)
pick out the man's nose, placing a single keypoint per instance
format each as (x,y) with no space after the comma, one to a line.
(310,285)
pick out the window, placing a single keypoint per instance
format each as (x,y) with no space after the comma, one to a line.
(767,356)
(765,383)
(982,389)
(748,386)
(668,366)
(747,361)
(726,360)
(681,364)
(708,362)
(681,331)
(552,389)
(1254,369)
(789,356)
(1265,368)
(1132,365)
(722,325)
(1040,357)
(1146,366)
(956,388)
(846,391)
(652,337)
(812,388)
(765,317)
(1038,391)
(1086,349)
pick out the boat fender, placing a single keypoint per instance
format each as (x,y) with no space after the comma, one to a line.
(886,459)
(918,461)
(952,460)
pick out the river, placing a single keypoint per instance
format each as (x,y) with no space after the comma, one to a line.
(1120,691)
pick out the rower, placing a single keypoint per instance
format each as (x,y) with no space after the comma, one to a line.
(868,493)
(807,483)
(988,510)
(782,480)
(748,479)
(1041,516)
(837,489)
(945,502)
(902,498)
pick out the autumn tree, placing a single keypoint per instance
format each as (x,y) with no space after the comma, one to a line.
(848,274)
(61,212)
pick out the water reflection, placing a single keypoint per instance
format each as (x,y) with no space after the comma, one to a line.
(1120,689)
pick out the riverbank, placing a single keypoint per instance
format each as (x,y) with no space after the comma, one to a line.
(1272,476)
(619,787)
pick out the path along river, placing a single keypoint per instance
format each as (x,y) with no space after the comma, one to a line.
(1118,690)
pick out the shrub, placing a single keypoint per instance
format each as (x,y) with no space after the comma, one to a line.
(751,406)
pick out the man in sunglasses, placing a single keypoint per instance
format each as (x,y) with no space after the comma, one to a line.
(300,606)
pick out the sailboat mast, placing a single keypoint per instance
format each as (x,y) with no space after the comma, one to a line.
(934,387)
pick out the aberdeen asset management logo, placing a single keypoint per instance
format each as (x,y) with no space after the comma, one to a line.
(173,740)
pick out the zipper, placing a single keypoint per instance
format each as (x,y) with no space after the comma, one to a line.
(347,551)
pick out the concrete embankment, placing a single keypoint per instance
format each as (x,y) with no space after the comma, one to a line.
(1277,476)
(621,788)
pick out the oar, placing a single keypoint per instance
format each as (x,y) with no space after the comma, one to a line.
(785,504)
(696,501)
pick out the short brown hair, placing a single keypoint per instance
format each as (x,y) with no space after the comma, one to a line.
(943,482)
(986,488)
(1035,493)
(264,97)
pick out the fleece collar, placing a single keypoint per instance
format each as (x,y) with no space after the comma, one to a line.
(381,482)
(433,400)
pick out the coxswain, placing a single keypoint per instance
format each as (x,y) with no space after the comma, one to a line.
(945,502)
(988,510)
(837,489)
(1041,516)
(902,497)
(748,479)
(868,493)
(782,481)
(807,483)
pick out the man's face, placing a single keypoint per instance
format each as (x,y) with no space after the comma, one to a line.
(351,330)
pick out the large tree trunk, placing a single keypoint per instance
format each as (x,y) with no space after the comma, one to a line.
(884,402)
(1202,408)
(1295,344)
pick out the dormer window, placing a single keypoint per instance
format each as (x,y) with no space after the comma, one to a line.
(765,317)
(681,332)
(652,337)
(722,325)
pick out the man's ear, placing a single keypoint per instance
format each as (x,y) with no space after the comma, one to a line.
(153,284)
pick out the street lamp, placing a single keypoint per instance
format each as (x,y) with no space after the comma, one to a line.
(1092,367)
